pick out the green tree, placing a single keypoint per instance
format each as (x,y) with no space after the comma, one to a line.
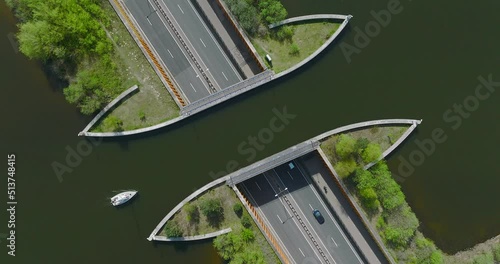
(248,257)
(364,179)
(113,123)
(345,167)
(388,190)
(228,245)
(361,144)
(247,15)
(285,33)
(246,220)
(371,153)
(345,146)
(212,208)
(369,198)
(172,229)
(238,209)
(272,11)
(192,213)
(247,235)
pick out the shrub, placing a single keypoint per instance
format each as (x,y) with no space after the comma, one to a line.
(294,49)
(345,146)
(246,257)
(247,235)
(172,229)
(113,123)
(361,144)
(192,213)
(142,115)
(369,198)
(285,33)
(212,208)
(371,153)
(238,209)
(246,220)
(345,168)
(228,245)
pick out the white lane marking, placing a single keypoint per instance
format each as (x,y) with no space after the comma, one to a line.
(149,21)
(258,186)
(334,242)
(203,43)
(180,9)
(301,252)
(225,76)
(311,207)
(216,43)
(315,234)
(290,175)
(192,87)
(329,214)
(170,53)
(279,218)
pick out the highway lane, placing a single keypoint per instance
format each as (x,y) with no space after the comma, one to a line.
(307,199)
(169,51)
(279,218)
(204,43)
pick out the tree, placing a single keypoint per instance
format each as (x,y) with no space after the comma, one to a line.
(247,235)
(345,146)
(361,144)
(212,208)
(388,190)
(371,153)
(238,209)
(248,257)
(369,198)
(345,167)
(172,229)
(364,179)
(285,33)
(246,220)
(228,245)
(247,15)
(192,213)
(272,11)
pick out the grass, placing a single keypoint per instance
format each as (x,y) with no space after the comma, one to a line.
(230,219)
(418,248)
(153,104)
(308,37)
(384,136)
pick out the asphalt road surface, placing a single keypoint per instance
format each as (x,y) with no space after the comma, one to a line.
(175,58)
(304,198)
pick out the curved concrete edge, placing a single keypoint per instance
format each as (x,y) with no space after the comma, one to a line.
(396,144)
(320,49)
(357,209)
(193,238)
(201,190)
(132,132)
(366,124)
(307,17)
(106,109)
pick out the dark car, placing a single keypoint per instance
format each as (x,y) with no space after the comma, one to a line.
(318,216)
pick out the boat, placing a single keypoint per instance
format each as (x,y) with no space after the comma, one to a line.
(122,197)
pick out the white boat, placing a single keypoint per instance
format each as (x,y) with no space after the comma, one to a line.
(122,197)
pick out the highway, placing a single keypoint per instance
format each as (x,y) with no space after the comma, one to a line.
(204,43)
(207,51)
(303,198)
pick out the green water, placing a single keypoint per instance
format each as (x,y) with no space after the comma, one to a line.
(425,60)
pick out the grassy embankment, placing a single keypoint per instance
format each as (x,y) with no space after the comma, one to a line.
(306,39)
(219,209)
(384,203)
(287,45)
(152,104)
(84,44)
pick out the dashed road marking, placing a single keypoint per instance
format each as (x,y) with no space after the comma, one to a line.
(311,207)
(279,218)
(149,21)
(334,241)
(258,186)
(192,87)
(180,9)
(203,43)
(170,53)
(301,252)
(290,175)
(225,76)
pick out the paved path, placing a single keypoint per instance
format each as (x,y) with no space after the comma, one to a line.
(203,189)
(106,109)
(308,17)
(192,238)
